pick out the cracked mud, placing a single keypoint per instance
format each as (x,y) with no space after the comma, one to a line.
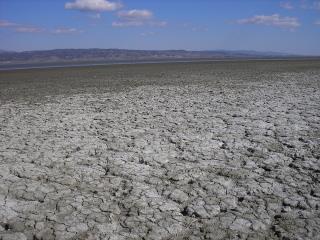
(230,159)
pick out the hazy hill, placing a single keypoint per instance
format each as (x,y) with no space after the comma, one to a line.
(79,55)
(4,51)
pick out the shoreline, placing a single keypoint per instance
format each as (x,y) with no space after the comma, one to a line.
(93,64)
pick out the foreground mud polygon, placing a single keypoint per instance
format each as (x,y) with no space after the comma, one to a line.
(232,159)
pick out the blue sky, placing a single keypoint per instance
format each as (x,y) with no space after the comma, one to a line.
(263,25)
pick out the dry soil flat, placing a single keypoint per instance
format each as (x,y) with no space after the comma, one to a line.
(225,150)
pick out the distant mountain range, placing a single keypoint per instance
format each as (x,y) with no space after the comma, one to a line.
(118,55)
(3,51)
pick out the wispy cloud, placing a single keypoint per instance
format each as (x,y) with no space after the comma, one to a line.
(133,18)
(194,28)
(158,23)
(272,20)
(127,24)
(317,22)
(137,18)
(65,30)
(93,5)
(315,5)
(16,27)
(303,4)
(5,23)
(147,34)
(29,29)
(95,16)
(139,23)
(135,15)
(286,5)
(21,28)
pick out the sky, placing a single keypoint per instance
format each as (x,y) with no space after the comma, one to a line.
(261,25)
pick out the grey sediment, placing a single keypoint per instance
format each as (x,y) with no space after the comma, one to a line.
(163,151)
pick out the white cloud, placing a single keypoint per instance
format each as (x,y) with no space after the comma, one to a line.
(93,5)
(272,20)
(135,15)
(286,5)
(28,29)
(64,30)
(5,23)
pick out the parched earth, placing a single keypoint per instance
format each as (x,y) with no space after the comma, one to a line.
(227,159)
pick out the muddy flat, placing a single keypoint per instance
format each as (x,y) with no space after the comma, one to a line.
(207,150)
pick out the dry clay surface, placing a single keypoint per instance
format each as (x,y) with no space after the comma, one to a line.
(234,160)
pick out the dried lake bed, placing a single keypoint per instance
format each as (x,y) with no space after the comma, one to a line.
(219,150)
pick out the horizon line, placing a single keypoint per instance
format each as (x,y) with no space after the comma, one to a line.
(167,49)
